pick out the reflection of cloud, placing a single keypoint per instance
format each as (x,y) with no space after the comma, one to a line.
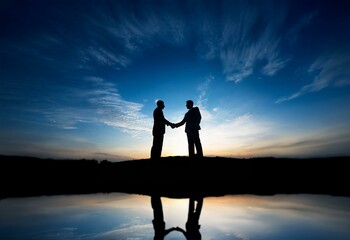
(65,233)
(274,216)
(131,232)
(331,70)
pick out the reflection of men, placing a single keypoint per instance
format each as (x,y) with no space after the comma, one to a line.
(192,119)
(192,224)
(158,130)
(158,222)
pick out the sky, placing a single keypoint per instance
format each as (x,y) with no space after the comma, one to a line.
(79,79)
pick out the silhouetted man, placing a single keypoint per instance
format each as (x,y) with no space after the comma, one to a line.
(158,219)
(192,119)
(192,224)
(158,130)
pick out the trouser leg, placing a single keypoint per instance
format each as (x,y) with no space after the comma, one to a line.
(157,146)
(190,145)
(194,141)
(198,144)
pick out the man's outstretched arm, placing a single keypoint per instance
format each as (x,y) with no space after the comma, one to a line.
(166,121)
(181,230)
(166,231)
(179,124)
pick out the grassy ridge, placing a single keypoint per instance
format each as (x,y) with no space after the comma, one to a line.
(174,176)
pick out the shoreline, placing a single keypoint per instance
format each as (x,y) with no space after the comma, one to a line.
(174,176)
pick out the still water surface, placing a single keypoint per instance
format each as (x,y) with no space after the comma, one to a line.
(129,216)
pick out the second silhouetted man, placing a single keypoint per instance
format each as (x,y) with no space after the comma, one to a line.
(192,119)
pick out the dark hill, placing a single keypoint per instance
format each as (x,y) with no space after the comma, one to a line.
(175,176)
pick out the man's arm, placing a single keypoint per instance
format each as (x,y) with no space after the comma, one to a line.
(181,230)
(166,231)
(179,124)
(199,116)
(165,120)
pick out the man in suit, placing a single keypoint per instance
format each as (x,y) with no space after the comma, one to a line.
(192,119)
(158,222)
(158,130)
(192,225)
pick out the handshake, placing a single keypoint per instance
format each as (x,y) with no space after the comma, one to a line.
(173,125)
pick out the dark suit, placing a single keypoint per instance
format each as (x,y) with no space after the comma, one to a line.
(158,222)
(158,132)
(192,225)
(192,119)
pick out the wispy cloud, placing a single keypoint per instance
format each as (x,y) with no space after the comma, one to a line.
(329,142)
(134,28)
(239,34)
(243,36)
(203,88)
(250,36)
(101,103)
(330,70)
(294,31)
(105,57)
(233,135)
(114,110)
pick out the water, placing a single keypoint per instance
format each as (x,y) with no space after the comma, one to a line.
(127,216)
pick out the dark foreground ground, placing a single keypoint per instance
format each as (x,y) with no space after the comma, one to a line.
(175,176)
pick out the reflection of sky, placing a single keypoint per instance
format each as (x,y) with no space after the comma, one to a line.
(122,216)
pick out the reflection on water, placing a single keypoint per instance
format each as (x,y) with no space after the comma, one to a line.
(158,218)
(192,224)
(124,216)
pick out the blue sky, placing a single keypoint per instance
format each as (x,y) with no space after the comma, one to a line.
(79,79)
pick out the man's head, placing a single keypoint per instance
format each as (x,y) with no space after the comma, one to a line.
(189,104)
(160,104)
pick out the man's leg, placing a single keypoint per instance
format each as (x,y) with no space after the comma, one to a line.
(158,218)
(156,150)
(157,207)
(190,145)
(198,144)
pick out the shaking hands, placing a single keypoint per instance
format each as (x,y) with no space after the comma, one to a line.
(173,125)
